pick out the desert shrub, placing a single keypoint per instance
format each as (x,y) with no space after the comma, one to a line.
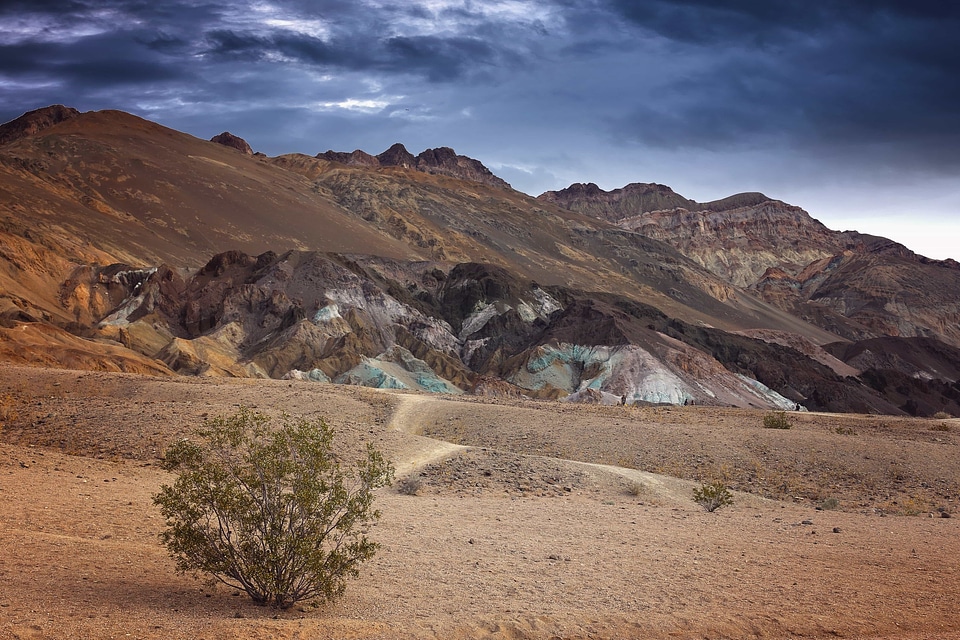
(943,426)
(942,415)
(711,496)
(829,504)
(636,488)
(411,485)
(776,420)
(269,510)
(8,410)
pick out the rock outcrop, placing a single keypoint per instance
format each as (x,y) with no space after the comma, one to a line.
(227,139)
(440,161)
(444,161)
(741,244)
(324,317)
(397,156)
(613,206)
(33,122)
(356,158)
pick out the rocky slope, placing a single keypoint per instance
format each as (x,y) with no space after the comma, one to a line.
(852,284)
(329,317)
(128,246)
(33,122)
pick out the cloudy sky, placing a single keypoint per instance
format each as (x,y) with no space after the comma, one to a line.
(848,108)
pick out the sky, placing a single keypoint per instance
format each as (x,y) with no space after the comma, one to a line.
(847,108)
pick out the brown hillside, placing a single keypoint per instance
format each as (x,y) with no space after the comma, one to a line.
(152,247)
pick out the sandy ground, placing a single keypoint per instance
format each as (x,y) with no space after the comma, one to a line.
(532,520)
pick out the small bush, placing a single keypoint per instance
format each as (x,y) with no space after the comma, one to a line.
(943,426)
(942,415)
(636,488)
(829,504)
(8,410)
(269,510)
(411,485)
(776,420)
(712,496)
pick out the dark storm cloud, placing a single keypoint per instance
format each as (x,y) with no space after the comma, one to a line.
(87,47)
(440,59)
(363,40)
(97,61)
(825,74)
(710,21)
(435,58)
(8,7)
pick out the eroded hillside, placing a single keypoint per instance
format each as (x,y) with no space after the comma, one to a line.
(128,246)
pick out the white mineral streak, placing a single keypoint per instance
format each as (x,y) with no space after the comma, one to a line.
(546,304)
(384,312)
(482,314)
(470,347)
(767,395)
(119,317)
(327,314)
(313,375)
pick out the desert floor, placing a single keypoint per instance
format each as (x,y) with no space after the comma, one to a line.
(532,520)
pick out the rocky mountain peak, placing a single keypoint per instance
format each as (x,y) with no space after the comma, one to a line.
(438,161)
(227,139)
(640,197)
(445,161)
(578,189)
(397,156)
(736,201)
(33,122)
(613,206)
(355,158)
(437,157)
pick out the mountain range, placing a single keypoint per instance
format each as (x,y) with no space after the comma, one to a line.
(128,246)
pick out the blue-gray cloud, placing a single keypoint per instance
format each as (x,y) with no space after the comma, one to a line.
(817,74)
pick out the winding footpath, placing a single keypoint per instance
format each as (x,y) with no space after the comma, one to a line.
(404,420)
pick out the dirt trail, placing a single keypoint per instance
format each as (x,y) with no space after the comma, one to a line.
(406,420)
(410,415)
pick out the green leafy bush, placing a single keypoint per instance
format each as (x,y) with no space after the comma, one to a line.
(776,420)
(711,496)
(269,510)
